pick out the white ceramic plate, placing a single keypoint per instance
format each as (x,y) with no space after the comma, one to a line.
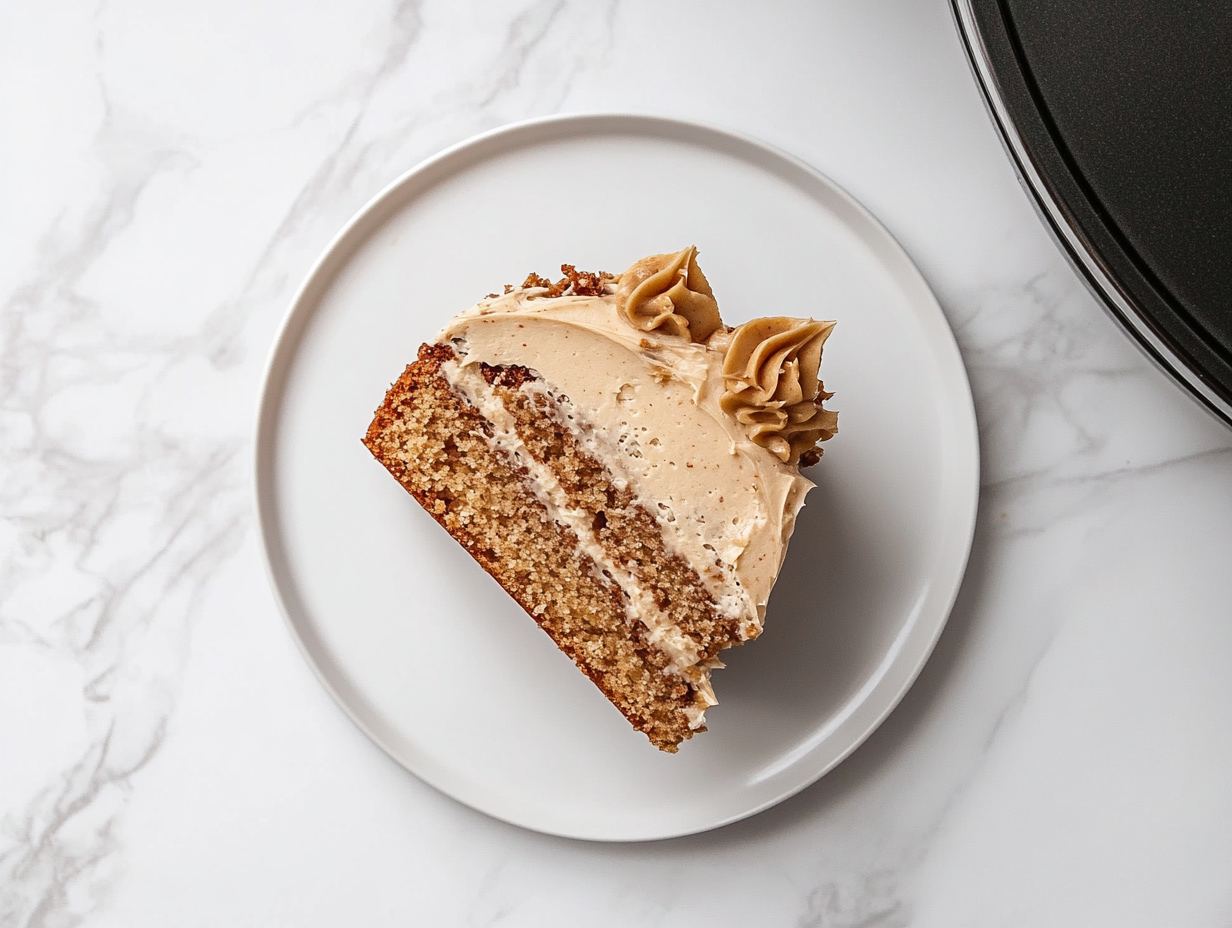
(431,658)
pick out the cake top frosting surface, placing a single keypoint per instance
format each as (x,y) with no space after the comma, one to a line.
(708,424)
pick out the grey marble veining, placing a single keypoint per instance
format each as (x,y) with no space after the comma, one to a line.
(169,175)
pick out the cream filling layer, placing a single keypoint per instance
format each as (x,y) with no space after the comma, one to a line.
(724,587)
(467,380)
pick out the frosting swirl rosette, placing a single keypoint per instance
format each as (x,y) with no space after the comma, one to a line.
(669,294)
(771,385)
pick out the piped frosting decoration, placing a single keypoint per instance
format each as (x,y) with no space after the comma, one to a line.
(771,385)
(669,294)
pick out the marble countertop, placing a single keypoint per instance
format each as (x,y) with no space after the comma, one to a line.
(169,173)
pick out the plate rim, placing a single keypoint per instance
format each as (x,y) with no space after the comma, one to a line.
(482,146)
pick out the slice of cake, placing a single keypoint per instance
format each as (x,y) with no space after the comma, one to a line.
(622,463)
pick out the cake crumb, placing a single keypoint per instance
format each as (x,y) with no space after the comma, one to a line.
(534,280)
(574,283)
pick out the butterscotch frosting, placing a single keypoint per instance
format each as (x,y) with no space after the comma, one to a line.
(770,373)
(669,294)
(706,424)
